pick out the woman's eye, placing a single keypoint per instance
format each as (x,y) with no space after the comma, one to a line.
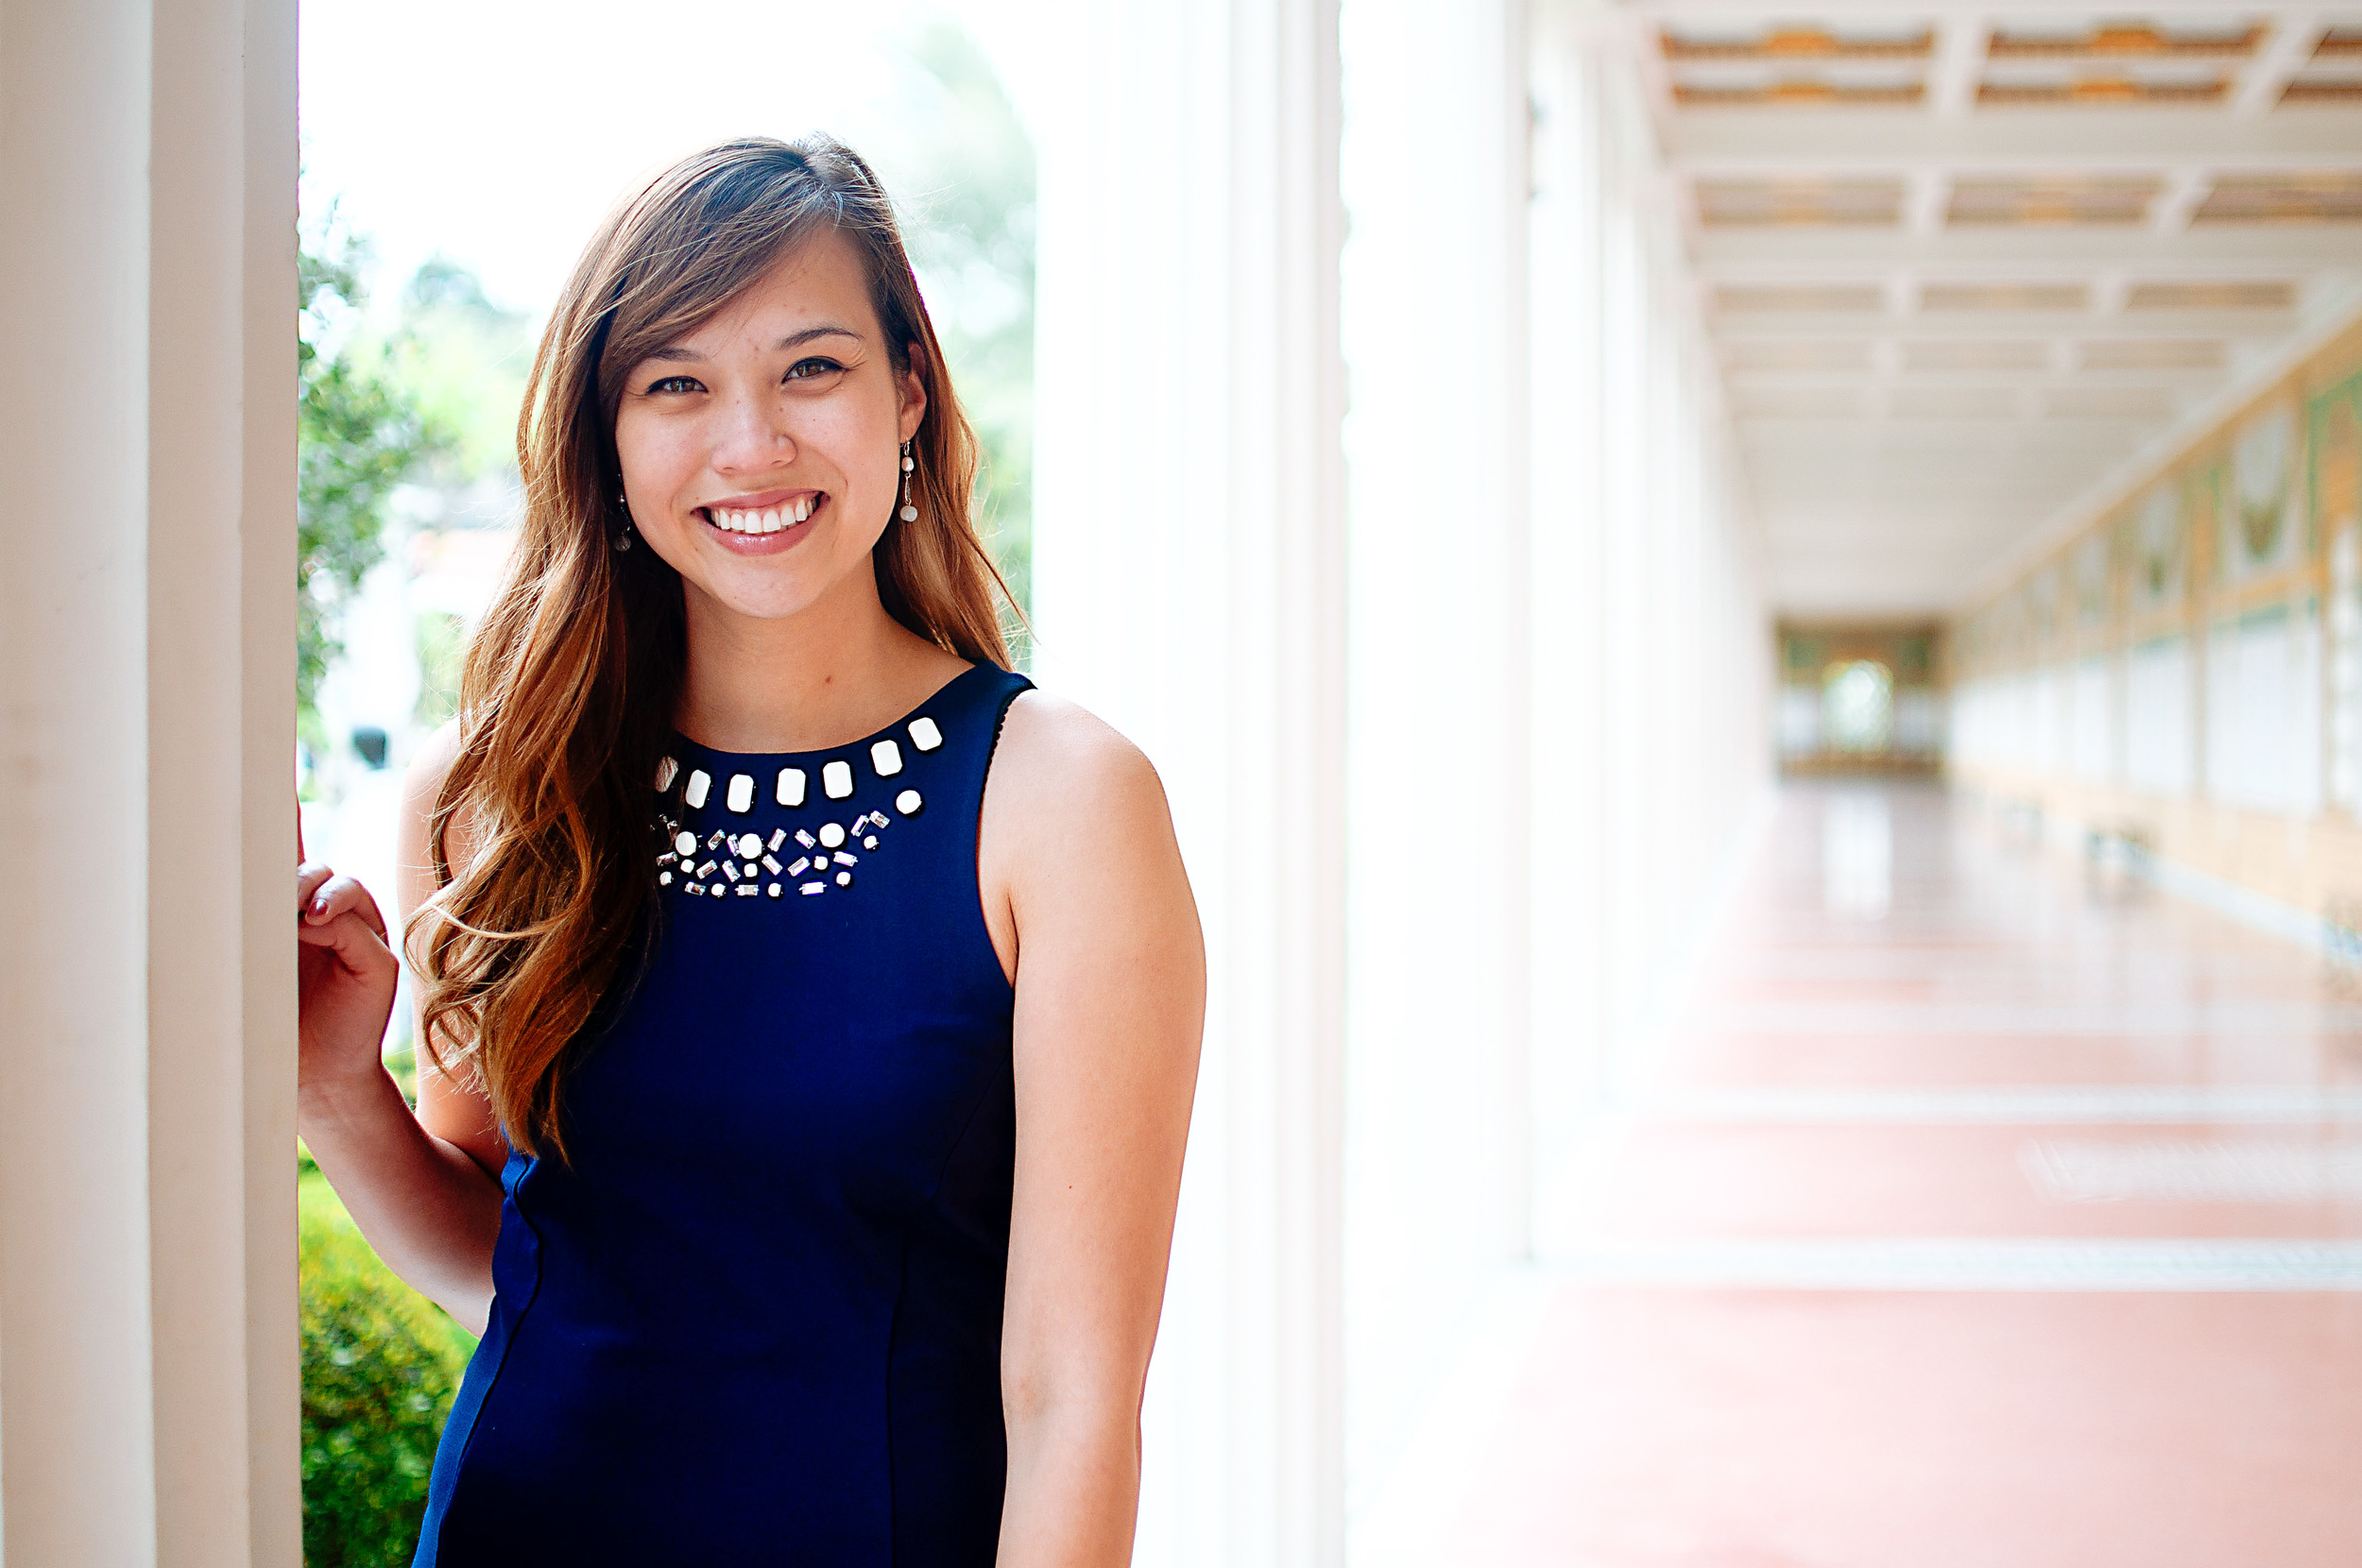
(673,384)
(805,370)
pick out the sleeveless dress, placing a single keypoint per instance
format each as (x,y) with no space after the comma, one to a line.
(755,1315)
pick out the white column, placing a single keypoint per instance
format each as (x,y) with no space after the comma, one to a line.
(1567,597)
(1189,580)
(1436,182)
(147,1277)
(1648,641)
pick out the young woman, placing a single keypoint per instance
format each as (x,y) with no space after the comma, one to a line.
(812,1008)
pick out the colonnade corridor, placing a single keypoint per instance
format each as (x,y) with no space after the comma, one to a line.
(1976,1207)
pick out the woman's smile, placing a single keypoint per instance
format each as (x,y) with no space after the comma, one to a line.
(764,523)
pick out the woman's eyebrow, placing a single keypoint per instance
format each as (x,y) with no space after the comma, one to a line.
(680,353)
(796,340)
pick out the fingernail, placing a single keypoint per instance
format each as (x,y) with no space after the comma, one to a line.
(320,906)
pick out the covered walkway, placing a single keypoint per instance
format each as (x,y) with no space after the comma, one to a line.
(1977,1210)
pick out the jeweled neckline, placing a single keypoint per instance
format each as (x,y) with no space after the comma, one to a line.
(755,825)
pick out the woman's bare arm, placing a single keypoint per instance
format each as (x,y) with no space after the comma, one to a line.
(1087,892)
(424,1188)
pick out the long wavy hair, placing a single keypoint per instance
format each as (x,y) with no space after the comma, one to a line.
(571,683)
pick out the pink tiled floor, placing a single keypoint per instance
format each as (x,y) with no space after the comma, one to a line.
(1813,1094)
(1794,1429)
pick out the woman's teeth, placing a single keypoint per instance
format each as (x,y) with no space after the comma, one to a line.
(786,515)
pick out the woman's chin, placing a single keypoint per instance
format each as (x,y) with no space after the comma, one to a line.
(761,601)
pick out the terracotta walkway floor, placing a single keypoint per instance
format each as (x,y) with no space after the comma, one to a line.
(1976,1211)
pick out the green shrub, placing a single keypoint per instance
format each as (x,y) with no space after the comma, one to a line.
(380,1364)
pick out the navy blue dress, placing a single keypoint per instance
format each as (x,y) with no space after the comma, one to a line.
(755,1317)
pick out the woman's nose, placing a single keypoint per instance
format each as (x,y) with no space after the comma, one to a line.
(754,436)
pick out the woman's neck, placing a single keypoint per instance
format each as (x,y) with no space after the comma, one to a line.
(833,672)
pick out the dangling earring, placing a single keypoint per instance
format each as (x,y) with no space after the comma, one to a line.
(910,464)
(623,534)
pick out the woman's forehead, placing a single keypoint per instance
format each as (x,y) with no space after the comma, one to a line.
(818,281)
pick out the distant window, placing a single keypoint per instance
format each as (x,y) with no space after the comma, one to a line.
(1857,706)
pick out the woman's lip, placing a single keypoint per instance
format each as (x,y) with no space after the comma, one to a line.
(761,501)
(768,544)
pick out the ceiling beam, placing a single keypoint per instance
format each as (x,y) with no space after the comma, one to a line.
(1770,326)
(2080,141)
(2184,189)
(2285,53)
(1653,13)
(1959,55)
(2024,252)
(2181,376)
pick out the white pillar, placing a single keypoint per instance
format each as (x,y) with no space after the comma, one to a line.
(1188,583)
(1435,177)
(147,1272)
(1567,596)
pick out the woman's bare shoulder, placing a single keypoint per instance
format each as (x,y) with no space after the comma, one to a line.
(1076,828)
(431,763)
(421,798)
(1056,757)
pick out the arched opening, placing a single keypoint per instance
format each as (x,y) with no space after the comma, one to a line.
(1857,708)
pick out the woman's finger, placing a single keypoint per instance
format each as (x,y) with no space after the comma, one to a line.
(341,896)
(309,877)
(359,947)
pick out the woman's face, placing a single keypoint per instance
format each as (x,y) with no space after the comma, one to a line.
(762,454)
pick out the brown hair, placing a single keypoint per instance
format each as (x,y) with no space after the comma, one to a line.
(570,685)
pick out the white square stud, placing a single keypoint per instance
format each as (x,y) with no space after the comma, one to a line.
(886,758)
(836,779)
(924,735)
(741,796)
(791,786)
(666,769)
(699,782)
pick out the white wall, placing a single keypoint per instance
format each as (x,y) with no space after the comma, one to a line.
(2236,719)
(2343,743)
(2160,718)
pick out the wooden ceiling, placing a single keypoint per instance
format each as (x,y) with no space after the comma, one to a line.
(1962,262)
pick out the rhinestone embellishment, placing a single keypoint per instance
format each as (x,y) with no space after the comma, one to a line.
(815,859)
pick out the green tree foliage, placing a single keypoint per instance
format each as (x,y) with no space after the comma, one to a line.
(463,361)
(442,652)
(965,173)
(381,1365)
(358,435)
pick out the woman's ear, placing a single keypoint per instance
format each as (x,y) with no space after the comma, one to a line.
(913,390)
